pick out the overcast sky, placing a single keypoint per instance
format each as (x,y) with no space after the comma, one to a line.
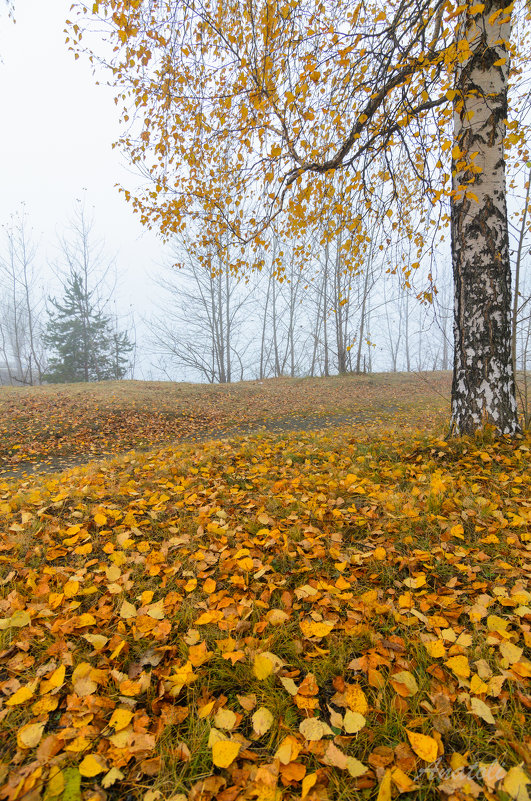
(55,140)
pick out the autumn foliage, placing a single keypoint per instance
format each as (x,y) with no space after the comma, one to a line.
(270,617)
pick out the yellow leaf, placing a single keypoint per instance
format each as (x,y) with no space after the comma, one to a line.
(314,729)
(512,653)
(276,617)
(477,685)
(30,735)
(402,781)
(415,582)
(288,749)
(356,700)
(205,710)
(311,628)
(19,619)
(209,586)
(289,685)
(379,554)
(425,747)
(353,722)
(262,666)
(70,589)
(209,617)
(384,791)
(45,704)
(198,654)
(355,767)
(156,611)
(56,783)
(85,619)
(459,665)
(114,775)
(435,648)
(224,752)
(22,695)
(113,573)
(91,766)
(122,738)
(496,623)
(404,683)
(130,688)
(182,676)
(127,610)
(480,708)
(120,718)
(118,650)
(83,679)
(100,519)
(225,719)
(307,784)
(98,641)
(55,681)
(262,720)
(516,782)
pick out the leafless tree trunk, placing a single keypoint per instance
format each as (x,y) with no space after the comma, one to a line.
(21,312)
(203,314)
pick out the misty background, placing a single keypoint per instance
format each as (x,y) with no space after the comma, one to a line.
(58,173)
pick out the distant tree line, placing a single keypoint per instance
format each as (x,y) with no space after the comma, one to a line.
(313,315)
(318,320)
(70,337)
(302,311)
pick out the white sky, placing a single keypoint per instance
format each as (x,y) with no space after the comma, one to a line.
(55,140)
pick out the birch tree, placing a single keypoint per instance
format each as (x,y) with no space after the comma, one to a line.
(246,111)
(21,308)
(199,329)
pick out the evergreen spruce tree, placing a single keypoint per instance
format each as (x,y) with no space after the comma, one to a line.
(83,345)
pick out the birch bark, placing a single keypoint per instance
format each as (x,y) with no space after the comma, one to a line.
(483,389)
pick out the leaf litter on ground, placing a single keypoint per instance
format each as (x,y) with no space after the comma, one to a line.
(316,615)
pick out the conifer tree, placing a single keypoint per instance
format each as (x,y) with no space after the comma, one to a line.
(81,339)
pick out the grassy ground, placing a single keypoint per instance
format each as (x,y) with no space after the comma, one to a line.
(62,425)
(331,614)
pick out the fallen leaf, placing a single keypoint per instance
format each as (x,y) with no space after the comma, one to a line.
(307,783)
(459,665)
(424,746)
(314,729)
(356,699)
(224,752)
(91,765)
(110,778)
(22,695)
(353,722)
(480,708)
(29,736)
(262,666)
(384,790)
(262,721)
(120,718)
(404,683)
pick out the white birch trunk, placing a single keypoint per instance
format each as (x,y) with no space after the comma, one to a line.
(483,390)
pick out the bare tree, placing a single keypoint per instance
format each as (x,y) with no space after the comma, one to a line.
(21,307)
(201,319)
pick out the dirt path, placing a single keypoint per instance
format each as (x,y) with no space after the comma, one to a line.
(280,425)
